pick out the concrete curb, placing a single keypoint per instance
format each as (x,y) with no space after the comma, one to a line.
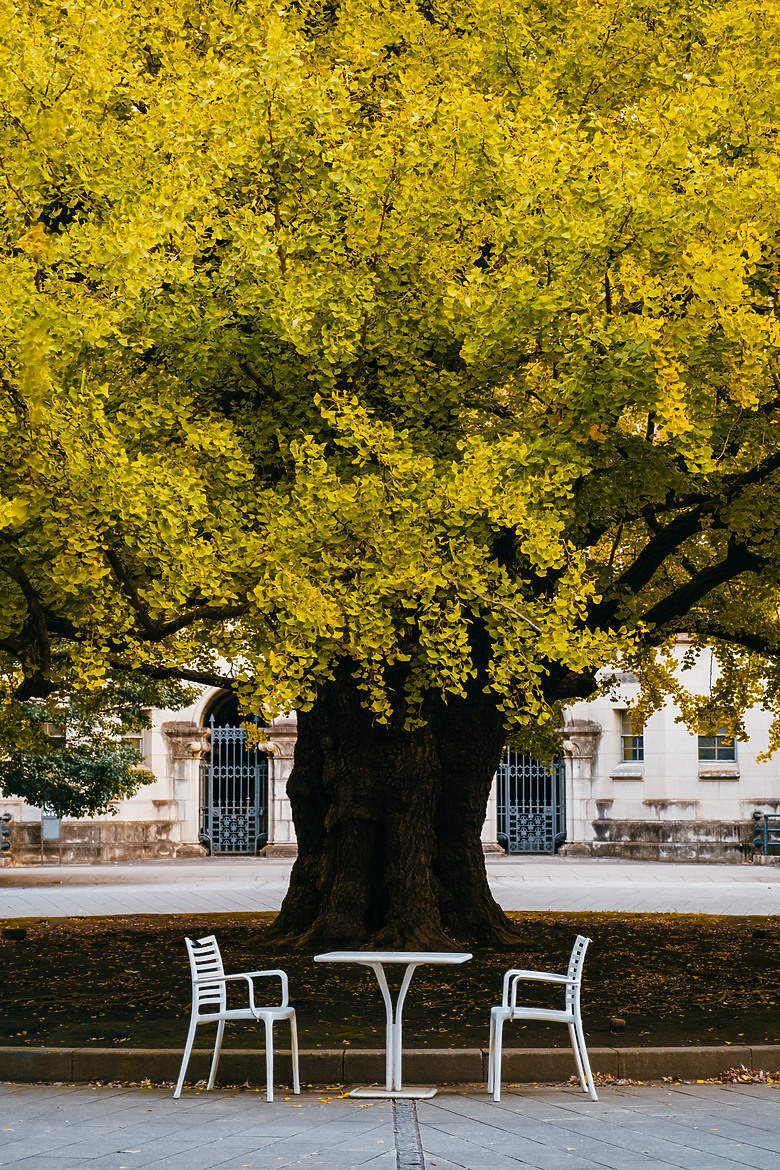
(350,1066)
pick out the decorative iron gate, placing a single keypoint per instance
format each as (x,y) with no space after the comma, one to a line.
(234,798)
(531,804)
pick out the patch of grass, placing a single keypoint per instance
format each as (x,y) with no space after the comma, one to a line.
(673,979)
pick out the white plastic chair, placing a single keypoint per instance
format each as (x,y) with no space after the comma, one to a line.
(570,1014)
(209,991)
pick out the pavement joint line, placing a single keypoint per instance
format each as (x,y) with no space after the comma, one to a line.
(408,1146)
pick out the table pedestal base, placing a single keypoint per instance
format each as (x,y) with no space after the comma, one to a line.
(423,1091)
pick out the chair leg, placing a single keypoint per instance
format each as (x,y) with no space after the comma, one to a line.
(575,1047)
(186,1057)
(497,1040)
(269,1060)
(491,1054)
(591,1088)
(294,1048)
(215,1058)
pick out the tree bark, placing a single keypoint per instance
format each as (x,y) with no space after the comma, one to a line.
(388,823)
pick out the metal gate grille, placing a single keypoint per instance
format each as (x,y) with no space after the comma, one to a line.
(235,793)
(531,804)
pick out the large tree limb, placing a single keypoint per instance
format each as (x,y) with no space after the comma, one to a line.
(739,559)
(179,673)
(152,631)
(728,487)
(669,539)
(36,612)
(751,640)
(653,555)
(150,628)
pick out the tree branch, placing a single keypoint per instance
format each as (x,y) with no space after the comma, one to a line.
(748,639)
(182,673)
(493,602)
(37,616)
(158,631)
(215,613)
(123,577)
(729,486)
(738,560)
(255,375)
(652,556)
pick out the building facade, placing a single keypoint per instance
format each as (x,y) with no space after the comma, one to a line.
(661,793)
(665,794)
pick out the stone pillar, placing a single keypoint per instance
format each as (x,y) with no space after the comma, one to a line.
(187,744)
(490,828)
(281,749)
(580,740)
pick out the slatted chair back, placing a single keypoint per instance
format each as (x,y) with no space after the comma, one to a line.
(205,960)
(576,963)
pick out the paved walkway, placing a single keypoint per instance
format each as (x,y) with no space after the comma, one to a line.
(540,1127)
(690,1127)
(214,886)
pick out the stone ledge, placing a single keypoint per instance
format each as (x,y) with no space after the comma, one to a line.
(628,771)
(350,1065)
(284,849)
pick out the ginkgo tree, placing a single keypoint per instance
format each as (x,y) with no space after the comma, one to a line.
(415,361)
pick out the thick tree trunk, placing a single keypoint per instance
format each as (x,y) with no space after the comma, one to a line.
(388,824)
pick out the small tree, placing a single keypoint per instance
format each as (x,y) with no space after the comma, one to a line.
(413,362)
(77,756)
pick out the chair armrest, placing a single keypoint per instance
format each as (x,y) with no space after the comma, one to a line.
(249,976)
(539,976)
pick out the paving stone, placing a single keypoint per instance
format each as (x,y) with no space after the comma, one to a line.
(39,1162)
(690,1127)
(477,1156)
(39,1144)
(519,883)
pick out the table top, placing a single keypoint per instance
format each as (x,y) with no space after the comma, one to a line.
(393,957)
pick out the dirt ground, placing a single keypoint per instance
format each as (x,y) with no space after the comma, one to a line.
(673,979)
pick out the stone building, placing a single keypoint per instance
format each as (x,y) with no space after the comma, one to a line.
(664,794)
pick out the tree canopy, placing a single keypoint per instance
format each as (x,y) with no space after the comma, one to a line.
(330,330)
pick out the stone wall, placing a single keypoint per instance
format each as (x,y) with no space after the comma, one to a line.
(82,842)
(673,840)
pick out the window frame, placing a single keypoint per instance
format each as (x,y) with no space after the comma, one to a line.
(632,746)
(723,753)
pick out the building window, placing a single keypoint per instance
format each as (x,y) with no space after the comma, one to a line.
(136,741)
(633,746)
(717,747)
(56,734)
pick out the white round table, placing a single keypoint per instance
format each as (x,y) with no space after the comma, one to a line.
(376,960)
